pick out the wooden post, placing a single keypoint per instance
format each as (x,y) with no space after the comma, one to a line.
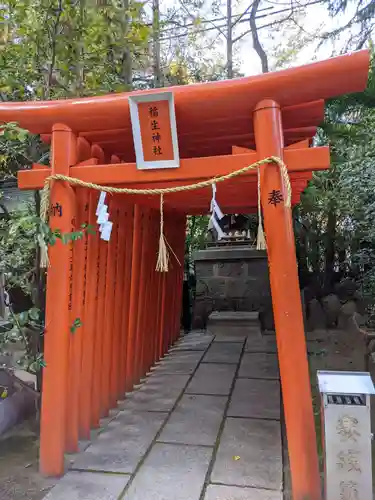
(57,334)
(142,295)
(119,305)
(99,334)
(158,324)
(168,295)
(125,321)
(180,253)
(134,298)
(287,309)
(162,313)
(149,305)
(90,306)
(153,325)
(79,249)
(109,312)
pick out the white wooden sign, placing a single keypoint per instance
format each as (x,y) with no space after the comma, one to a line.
(347,434)
(154,130)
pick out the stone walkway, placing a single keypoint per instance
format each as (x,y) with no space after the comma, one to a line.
(205,425)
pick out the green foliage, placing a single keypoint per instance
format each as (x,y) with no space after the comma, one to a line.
(59,48)
(196,237)
(358,24)
(19,150)
(77,323)
(334,221)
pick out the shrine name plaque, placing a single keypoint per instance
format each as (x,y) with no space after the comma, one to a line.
(154,130)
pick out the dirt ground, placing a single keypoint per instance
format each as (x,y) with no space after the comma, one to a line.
(19,477)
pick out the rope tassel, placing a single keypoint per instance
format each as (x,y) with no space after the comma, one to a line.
(163,254)
(44,204)
(261,239)
(44,260)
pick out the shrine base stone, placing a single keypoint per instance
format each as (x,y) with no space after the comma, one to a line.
(232,278)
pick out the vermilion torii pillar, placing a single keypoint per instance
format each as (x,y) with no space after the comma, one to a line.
(59,295)
(286,299)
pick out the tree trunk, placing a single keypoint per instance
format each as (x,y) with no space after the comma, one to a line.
(158,78)
(229,40)
(256,42)
(39,294)
(127,69)
(79,67)
(314,247)
(330,247)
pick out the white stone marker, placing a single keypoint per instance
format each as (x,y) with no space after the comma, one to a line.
(346,435)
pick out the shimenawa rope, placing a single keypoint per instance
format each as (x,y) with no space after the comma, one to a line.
(163,258)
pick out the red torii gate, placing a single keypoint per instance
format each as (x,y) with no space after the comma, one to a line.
(109,285)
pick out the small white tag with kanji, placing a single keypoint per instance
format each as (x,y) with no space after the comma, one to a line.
(103,215)
(106,231)
(100,202)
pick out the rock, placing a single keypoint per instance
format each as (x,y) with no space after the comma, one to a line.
(346,312)
(201,309)
(6,382)
(357,324)
(15,408)
(331,307)
(346,289)
(316,319)
(363,303)
(349,308)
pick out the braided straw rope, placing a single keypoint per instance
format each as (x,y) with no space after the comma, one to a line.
(162,263)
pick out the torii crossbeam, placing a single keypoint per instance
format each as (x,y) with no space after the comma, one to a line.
(222,126)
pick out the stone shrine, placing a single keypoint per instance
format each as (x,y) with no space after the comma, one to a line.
(233,277)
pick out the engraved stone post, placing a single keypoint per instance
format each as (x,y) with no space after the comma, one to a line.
(346,434)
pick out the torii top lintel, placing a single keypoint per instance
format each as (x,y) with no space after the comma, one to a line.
(212,118)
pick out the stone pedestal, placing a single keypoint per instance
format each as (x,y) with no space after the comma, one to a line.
(238,322)
(232,278)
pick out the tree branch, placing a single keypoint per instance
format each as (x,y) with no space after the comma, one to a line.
(256,42)
(53,48)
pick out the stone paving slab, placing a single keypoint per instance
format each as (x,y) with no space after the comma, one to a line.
(259,365)
(222,352)
(183,362)
(158,381)
(218,492)
(176,368)
(88,486)
(193,342)
(255,399)
(261,343)
(157,396)
(195,421)
(213,379)
(182,357)
(233,317)
(258,444)
(171,472)
(122,445)
(237,336)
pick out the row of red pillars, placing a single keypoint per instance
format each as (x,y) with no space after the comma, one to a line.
(128,313)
